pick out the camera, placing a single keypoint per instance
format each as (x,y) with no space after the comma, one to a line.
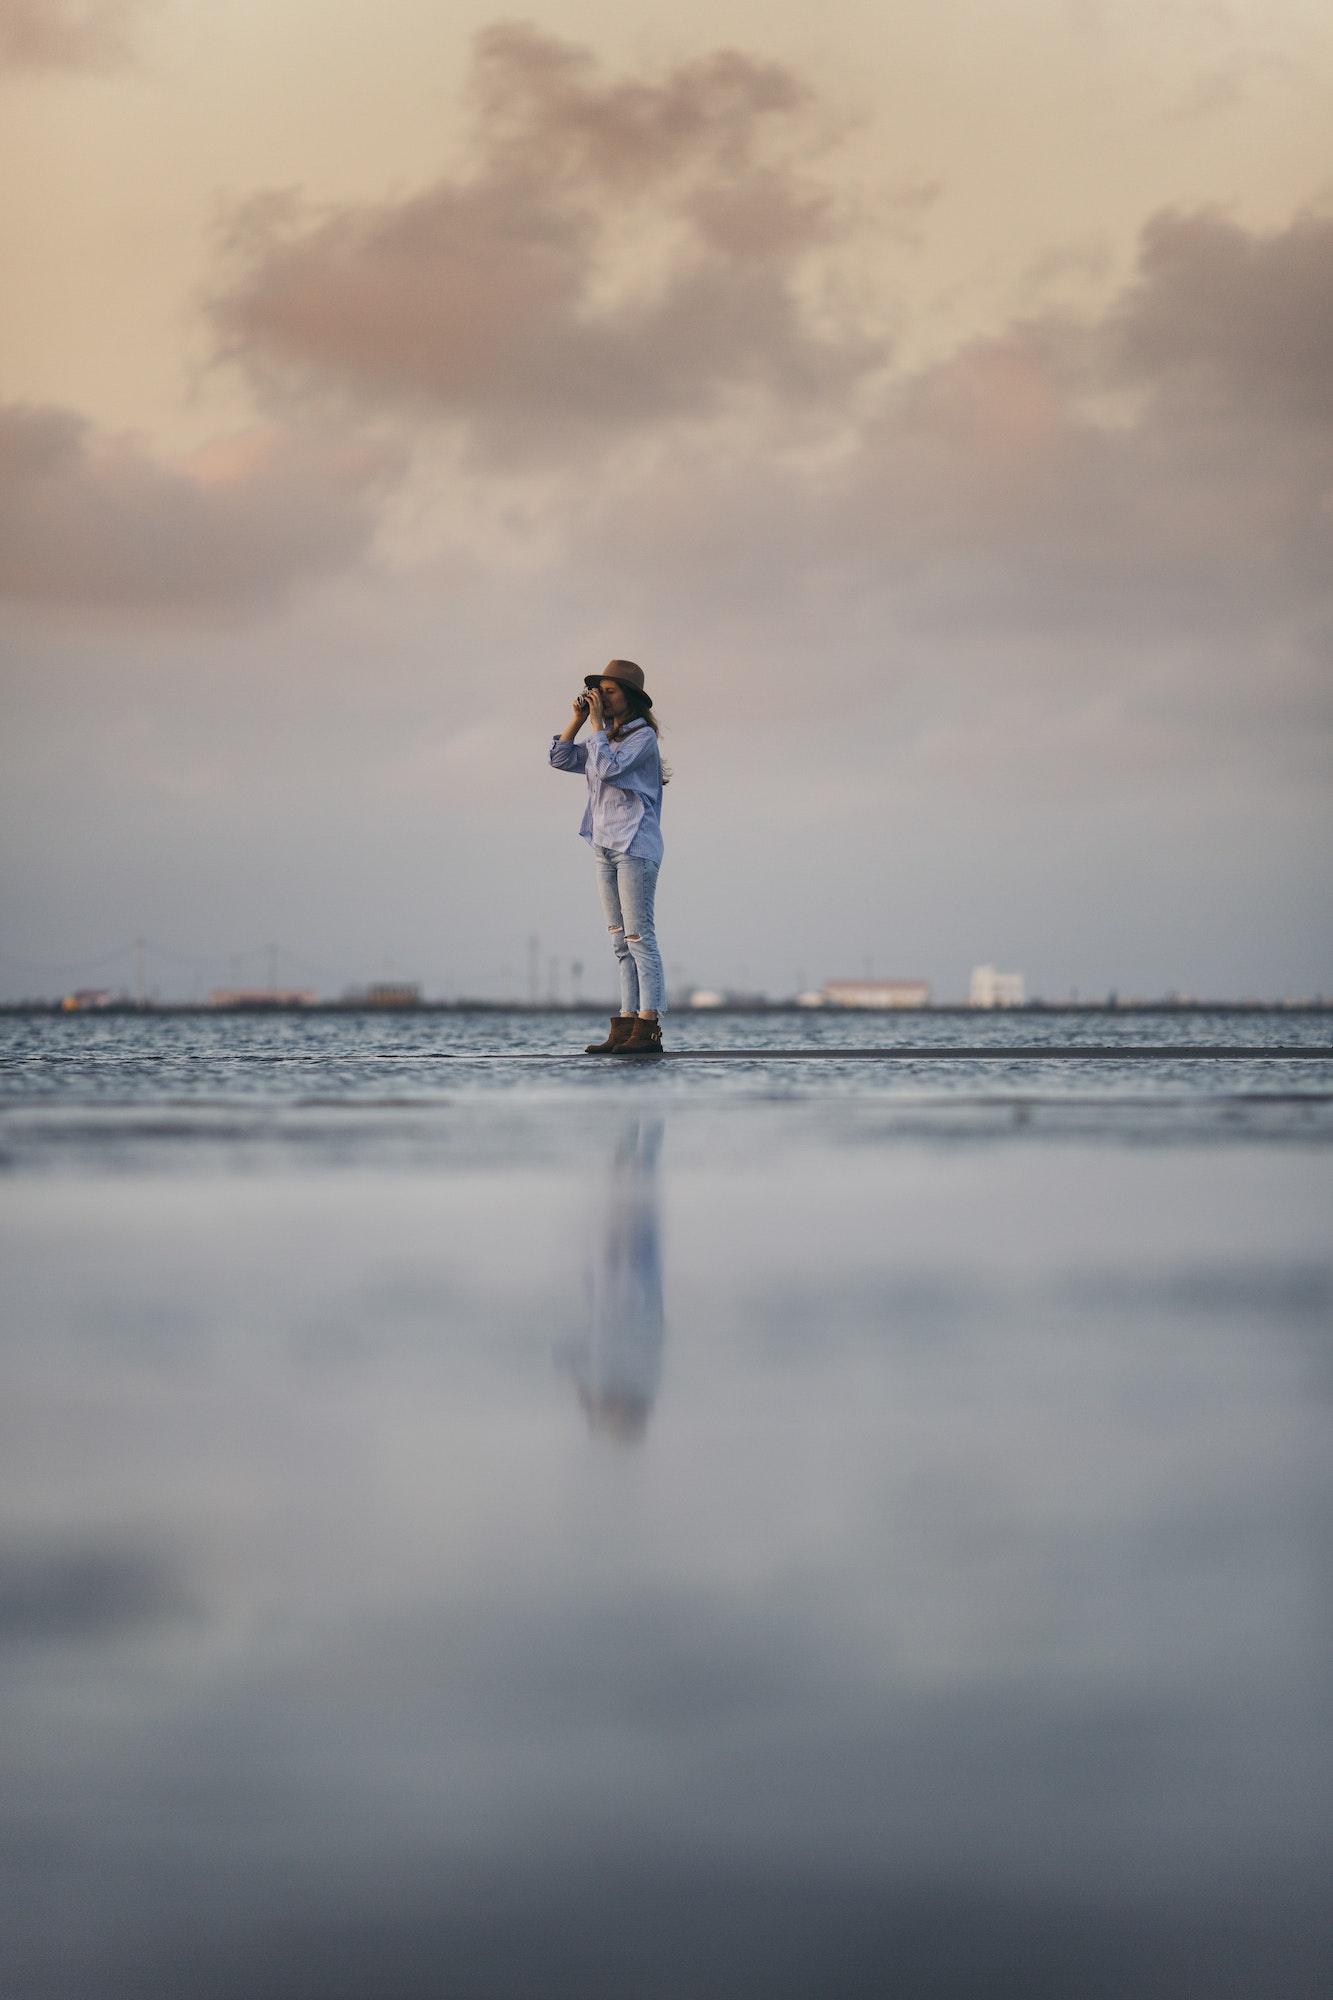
(581,699)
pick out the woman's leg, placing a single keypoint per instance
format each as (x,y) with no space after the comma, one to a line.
(638,889)
(609,888)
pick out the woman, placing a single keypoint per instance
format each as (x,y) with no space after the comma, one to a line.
(622,823)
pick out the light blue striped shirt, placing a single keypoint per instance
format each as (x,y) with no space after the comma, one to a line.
(624,809)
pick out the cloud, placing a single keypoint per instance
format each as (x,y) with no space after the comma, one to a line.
(93,522)
(631,257)
(1164,468)
(1241,317)
(617,252)
(86,1593)
(66,34)
(1175,456)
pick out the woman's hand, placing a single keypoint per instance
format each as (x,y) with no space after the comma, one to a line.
(595,715)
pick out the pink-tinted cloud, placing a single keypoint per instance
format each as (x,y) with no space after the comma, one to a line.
(1169,461)
(1212,484)
(1164,464)
(66,34)
(1071,491)
(93,522)
(499,298)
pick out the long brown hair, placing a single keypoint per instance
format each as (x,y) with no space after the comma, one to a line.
(639,710)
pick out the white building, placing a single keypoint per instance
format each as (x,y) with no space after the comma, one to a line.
(996,989)
(876,992)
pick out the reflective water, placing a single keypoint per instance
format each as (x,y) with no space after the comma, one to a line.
(519,1527)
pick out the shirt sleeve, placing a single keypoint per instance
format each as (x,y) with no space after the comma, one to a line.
(568,756)
(614,761)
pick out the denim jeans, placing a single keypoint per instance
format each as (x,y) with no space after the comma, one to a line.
(628,884)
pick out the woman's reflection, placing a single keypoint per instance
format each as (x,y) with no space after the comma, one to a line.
(617,1368)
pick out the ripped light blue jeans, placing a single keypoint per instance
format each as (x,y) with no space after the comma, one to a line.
(628,885)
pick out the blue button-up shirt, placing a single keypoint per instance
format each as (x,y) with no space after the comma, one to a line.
(624,809)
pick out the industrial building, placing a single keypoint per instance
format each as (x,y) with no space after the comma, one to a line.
(248,997)
(876,992)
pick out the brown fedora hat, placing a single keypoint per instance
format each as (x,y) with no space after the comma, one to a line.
(623,671)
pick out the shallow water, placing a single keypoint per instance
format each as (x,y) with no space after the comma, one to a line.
(523,1527)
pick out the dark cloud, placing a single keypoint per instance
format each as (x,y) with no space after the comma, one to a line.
(629,1788)
(602,1921)
(499,297)
(66,34)
(1240,315)
(95,522)
(542,109)
(85,1593)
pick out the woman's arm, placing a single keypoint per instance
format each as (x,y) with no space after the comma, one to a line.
(566,754)
(576,722)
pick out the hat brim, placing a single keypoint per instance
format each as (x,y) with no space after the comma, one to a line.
(595,680)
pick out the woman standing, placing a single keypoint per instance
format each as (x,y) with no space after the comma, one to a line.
(622,823)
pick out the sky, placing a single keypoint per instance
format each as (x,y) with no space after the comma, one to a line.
(935,399)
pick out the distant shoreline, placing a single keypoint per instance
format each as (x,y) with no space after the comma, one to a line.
(249,1009)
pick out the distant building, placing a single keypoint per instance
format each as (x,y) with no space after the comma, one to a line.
(875,993)
(996,989)
(384,993)
(85,997)
(262,996)
(731,996)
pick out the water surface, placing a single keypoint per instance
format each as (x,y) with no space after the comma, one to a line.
(518,1527)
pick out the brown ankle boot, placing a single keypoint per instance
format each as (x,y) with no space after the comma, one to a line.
(622,1027)
(645,1039)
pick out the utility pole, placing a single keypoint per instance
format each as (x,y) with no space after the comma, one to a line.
(534,948)
(273,968)
(140,971)
(576,976)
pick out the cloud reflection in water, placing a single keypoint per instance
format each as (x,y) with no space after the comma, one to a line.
(956,1633)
